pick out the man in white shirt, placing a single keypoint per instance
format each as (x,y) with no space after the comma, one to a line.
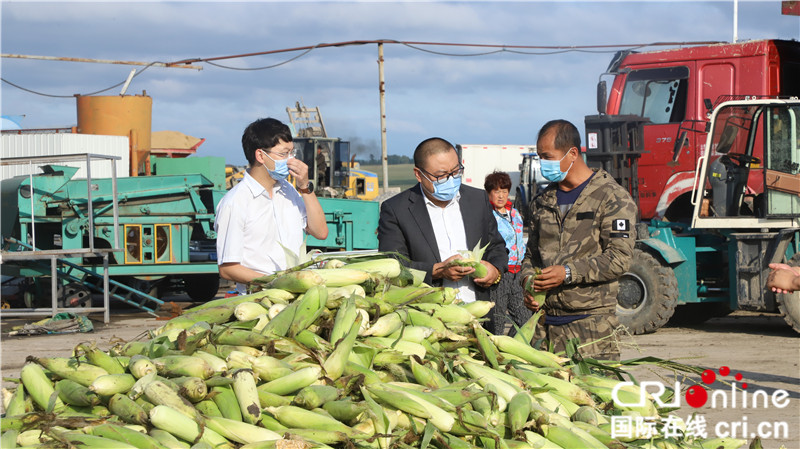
(264,213)
(430,222)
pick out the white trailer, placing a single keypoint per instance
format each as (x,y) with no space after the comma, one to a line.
(481,160)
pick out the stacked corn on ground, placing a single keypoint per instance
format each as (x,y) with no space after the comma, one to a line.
(361,355)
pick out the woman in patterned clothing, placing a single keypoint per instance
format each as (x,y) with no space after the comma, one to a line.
(507,295)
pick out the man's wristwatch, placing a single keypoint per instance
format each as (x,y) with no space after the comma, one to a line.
(567,275)
(309,188)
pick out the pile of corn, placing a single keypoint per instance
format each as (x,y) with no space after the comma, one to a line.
(331,357)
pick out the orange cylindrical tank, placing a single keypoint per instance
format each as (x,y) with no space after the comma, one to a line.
(120,115)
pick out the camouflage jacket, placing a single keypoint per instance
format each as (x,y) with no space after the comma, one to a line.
(595,240)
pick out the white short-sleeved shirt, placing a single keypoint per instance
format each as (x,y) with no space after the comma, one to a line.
(251,226)
(448,227)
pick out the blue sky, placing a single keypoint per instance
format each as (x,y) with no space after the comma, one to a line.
(498,99)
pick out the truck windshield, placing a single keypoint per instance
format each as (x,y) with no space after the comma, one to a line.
(658,94)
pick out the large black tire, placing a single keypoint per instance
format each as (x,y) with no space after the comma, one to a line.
(201,287)
(789,304)
(648,294)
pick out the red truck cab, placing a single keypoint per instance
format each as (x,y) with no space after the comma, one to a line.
(652,128)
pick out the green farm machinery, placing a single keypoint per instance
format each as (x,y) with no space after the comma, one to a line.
(145,233)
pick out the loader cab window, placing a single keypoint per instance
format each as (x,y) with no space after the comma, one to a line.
(658,94)
(782,161)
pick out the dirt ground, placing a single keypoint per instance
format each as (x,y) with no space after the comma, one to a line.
(760,347)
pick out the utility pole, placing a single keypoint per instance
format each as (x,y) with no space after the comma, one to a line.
(735,21)
(382,89)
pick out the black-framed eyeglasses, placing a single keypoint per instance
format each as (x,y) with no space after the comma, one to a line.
(437,179)
(284,155)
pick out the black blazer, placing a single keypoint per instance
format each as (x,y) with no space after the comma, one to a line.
(405,227)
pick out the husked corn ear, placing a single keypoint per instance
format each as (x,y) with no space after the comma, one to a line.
(73,393)
(183,365)
(185,428)
(339,277)
(128,410)
(296,417)
(298,281)
(387,267)
(70,368)
(240,432)
(39,387)
(247,311)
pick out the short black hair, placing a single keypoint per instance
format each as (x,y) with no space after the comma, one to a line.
(566,134)
(262,134)
(428,148)
(497,180)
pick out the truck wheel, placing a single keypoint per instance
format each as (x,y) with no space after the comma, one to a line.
(201,287)
(789,304)
(648,294)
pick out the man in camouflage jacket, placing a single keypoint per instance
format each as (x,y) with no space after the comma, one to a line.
(582,239)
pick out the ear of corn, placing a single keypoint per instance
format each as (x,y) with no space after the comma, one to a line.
(73,393)
(167,440)
(128,410)
(125,435)
(183,365)
(298,281)
(70,368)
(473,259)
(339,277)
(425,372)
(244,387)
(527,352)
(293,382)
(39,387)
(335,363)
(296,417)
(111,384)
(240,432)
(185,428)
(387,267)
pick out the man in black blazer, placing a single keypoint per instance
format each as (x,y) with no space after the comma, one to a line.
(431,221)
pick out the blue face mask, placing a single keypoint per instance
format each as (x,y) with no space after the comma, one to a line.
(445,190)
(281,168)
(551,170)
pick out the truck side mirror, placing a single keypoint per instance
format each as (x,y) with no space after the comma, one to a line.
(602,93)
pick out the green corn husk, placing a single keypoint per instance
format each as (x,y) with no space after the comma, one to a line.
(405,367)
(473,259)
